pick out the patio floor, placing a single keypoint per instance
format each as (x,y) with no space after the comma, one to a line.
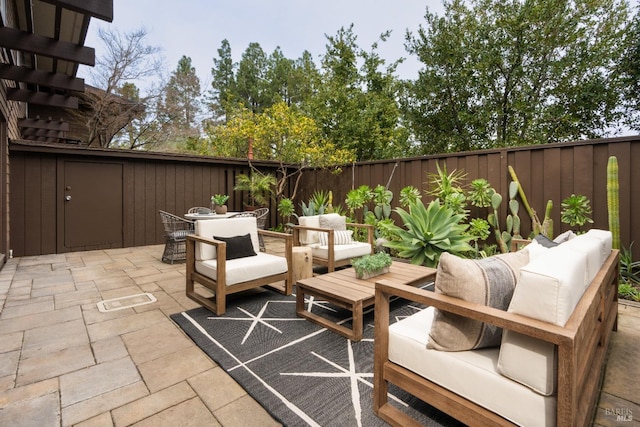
(64,362)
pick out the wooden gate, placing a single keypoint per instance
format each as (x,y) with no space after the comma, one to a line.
(90,200)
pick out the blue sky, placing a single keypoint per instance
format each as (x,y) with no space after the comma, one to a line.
(196,28)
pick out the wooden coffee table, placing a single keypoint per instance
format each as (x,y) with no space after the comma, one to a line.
(342,289)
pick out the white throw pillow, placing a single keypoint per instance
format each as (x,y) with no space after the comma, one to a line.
(340,237)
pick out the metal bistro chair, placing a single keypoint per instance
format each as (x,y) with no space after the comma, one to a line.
(176,230)
(199,209)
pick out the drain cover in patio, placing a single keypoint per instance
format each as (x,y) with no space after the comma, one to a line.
(125,302)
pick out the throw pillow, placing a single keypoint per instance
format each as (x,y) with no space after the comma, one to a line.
(238,246)
(340,237)
(488,281)
(545,241)
(333,221)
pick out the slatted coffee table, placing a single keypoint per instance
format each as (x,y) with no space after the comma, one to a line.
(342,289)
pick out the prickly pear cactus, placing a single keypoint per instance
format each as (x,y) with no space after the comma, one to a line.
(613,201)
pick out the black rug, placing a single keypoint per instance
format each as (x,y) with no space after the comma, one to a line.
(301,373)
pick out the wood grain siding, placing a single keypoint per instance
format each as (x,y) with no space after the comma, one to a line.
(547,172)
(171,182)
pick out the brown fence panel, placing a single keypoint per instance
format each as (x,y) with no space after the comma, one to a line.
(154,181)
(546,172)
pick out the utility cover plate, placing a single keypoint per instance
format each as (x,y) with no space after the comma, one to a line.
(125,302)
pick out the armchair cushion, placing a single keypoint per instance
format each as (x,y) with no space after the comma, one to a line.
(548,289)
(340,237)
(488,281)
(308,237)
(333,221)
(470,374)
(341,252)
(241,270)
(238,246)
(228,227)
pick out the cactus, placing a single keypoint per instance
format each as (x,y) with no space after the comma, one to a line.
(613,201)
(537,227)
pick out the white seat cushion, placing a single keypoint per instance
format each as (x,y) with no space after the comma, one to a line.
(244,269)
(341,252)
(467,373)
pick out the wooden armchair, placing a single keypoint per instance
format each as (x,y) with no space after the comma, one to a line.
(330,242)
(232,262)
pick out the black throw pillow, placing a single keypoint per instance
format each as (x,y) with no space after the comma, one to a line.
(238,246)
(545,241)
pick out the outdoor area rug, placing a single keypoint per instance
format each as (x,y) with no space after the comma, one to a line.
(301,373)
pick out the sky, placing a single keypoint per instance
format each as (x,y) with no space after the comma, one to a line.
(196,28)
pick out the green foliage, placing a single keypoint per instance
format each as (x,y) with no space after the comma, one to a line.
(629,269)
(286,209)
(448,187)
(219,199)
(371,263)
(629,291)
(498,73)
(480,193)
(613,200)
(258,185)
(320,199)
(408,195)
(576,210)
(428,232)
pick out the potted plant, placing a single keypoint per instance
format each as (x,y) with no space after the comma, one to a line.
(259,186)
(218,202)
(372,265)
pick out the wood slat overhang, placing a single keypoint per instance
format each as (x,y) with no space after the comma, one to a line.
(42,98)
(54,125)
(99,9)
(46,46)
(41,78)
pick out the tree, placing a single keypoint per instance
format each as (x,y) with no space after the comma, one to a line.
(179,109)
(355,105)
(503,73)
(280,133)
(223,82)
(630,73)
(127,59)
(251,83)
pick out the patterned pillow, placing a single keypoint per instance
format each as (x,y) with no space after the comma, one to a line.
(488,281)
(333,221)
(340,237)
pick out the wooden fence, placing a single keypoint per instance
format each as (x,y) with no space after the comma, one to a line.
(39,222)
(546,172)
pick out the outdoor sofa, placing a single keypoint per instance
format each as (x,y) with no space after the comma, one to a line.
(546,367)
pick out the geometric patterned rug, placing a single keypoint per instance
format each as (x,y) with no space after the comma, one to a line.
(300,372)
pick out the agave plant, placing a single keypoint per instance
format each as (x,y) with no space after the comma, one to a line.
(429,232)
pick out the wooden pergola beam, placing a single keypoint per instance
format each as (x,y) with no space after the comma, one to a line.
(101,9)
(41,98)
(41,78)
(44,124)
(26,42)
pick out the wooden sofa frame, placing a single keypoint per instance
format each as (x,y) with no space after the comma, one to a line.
(219,285)
(330,261)
(581,348)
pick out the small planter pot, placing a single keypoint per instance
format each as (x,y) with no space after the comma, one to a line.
(369,274)
(221,210)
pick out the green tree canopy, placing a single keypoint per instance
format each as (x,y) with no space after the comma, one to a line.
(504,73)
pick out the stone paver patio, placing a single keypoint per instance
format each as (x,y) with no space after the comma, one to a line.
(63,362)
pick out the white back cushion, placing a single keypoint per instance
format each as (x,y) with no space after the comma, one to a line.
(596,244)
(308,237)
(549,288)
(227,227)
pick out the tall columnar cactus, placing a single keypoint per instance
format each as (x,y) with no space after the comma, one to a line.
(613,200)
